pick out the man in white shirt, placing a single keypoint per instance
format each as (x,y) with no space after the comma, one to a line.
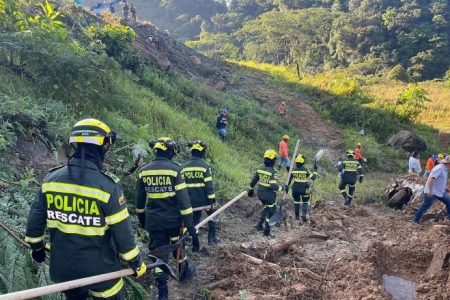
(414,164)
(436,188)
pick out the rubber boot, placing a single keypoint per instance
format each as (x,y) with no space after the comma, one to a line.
(163,289)
(195,244)
(259,225)
(212,238)
(188,273)
(347,201)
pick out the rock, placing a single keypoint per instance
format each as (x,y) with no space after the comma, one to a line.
(440,256)
(221,85)
(195,60)
(408,141)
(319,235)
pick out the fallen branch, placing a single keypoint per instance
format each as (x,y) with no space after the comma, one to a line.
(257,261)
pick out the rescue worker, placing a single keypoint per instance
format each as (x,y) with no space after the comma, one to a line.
(349,169)
(414,164)
(126,10)
(164,209)
(282,109)
(267,188)
(197,174)
(358,154)
(431,162)
(87,217)
(133,13)
(221,124)
(284,153)
(436,188)
(301,189)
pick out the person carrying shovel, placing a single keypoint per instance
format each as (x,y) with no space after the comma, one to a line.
(87,217)
(267,188)
(301,189)
(200,186)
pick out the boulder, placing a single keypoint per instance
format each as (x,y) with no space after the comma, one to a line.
(408,141)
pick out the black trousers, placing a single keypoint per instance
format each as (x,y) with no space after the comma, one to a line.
(83,293)
(265,216)
(166,237)
(301,201)
(351,188)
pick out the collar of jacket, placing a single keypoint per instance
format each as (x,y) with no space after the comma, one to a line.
(161,158)
(88,164)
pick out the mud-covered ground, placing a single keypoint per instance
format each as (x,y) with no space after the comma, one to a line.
(342,254)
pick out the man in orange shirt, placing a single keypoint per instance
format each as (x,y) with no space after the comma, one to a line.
(431,162)
(283,153)
(358,154)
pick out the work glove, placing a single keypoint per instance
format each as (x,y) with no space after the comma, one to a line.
(360,179)
(38,255)
(251,193)
(365,159)
(286,188)
(139,266)
(213,208)
(141,217)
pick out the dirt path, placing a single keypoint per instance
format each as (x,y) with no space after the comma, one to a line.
(313,130)
(342,255)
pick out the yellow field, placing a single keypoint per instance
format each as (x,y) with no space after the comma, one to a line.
(437,113)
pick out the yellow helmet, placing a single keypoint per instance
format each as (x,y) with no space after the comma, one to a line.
(300,159)
(92,131)
(197,145)
(440,156)
(270,154)
(359,144)
(164,144)
(285,137)
(350,153)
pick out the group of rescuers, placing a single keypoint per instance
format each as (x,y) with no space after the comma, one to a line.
(86,213)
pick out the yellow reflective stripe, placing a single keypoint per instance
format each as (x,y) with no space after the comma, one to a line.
(300,180)
(130,254)
(280,188)
(76,229)
(34,240)
(343,191)
(271,205)
(97,140)
(157,270)
(81,190)
(350,196)
(264,172)
(174,238)
(109,292)
(195,169)
(180,186)
(194,185)
(183,259)
(117,217)
(140,210)
(158,172)
(186,211)
(264,184)
(209,178)
(212,196)
(273,181)
(161,195)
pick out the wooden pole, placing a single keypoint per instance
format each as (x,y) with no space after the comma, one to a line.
(64,286)
(292,164)
(211,216)
(201,208)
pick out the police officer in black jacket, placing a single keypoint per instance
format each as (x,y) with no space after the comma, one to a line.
(199,182)
(349,169)
(87,216)
(163,207)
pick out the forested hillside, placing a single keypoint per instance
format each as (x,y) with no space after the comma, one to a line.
(315,34)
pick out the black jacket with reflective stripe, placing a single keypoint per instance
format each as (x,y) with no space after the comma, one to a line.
(87,217)
(350,168)
(162,195)
(197,174)
(267,184)
(301,177)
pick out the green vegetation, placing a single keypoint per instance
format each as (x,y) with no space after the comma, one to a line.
(57,75)
(317,35)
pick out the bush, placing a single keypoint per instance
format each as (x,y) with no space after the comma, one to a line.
(411,103)
(399,73)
